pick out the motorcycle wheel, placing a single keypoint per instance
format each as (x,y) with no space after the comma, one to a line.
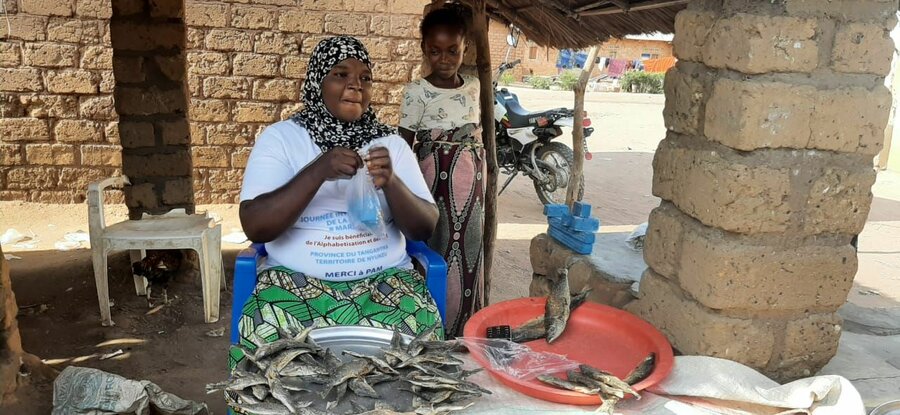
(558,160)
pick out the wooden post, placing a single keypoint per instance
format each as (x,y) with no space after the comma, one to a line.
(577,177)
(480,32)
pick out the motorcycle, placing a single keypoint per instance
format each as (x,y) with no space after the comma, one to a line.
(525,141)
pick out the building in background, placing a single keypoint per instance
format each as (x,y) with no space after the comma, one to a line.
(544,61)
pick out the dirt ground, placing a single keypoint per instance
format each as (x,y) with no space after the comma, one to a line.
(59,316)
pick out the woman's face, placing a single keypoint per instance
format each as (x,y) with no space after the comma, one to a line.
(444,48)
(347,90)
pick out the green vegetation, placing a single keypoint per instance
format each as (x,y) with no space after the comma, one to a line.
(568,79)
(539,82)
(643,82)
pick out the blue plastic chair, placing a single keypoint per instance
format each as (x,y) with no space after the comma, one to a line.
(249,260)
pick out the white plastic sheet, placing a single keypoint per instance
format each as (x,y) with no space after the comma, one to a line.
(698,385)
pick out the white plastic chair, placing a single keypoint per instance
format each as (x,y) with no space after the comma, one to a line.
(173,230)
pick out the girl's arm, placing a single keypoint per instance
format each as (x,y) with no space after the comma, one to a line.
(267,216)
(409,136)
(412,109)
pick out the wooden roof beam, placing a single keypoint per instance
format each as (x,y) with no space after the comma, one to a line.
(563,8)
(623,4)
(647,5)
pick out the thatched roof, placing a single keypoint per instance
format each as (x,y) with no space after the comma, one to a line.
(584,23)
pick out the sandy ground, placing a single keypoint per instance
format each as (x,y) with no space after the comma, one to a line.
(60,321)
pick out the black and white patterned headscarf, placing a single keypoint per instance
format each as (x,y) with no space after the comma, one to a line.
(326,130)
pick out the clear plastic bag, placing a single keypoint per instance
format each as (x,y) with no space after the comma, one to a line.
(518,360)
(364,205)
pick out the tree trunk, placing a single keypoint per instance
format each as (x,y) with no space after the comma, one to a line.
(480,19)
(576,178)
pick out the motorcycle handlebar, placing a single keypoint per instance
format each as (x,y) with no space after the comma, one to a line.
(509,65)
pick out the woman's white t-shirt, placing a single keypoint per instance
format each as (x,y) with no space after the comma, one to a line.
(323,243)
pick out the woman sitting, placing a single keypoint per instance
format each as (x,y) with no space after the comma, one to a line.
(322,270)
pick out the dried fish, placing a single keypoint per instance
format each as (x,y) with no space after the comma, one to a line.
(350,370)
(444,346)
(445,409)
(249,357)
(213,387)
(259,392)
(440,396)
(296,384)
(257,340)
(357,407)
(379,378)
(417,344)
(245,397)
(531,330)
(281,394)
(642,370)
(331,361)
(360,387)
(592,383)
(341,391)
(440,359)
(608,379)
(278,377)
(608,407)
(265,408)
(239,381)
(303,335)
(379,363)
(536,328)
(279,345)
(397,355)
(281,361)
(466,387)
(564,384)
(302,369)
(556,312)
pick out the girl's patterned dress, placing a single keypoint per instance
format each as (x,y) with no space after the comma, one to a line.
(451,156)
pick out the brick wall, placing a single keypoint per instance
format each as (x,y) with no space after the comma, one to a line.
(246,63)
(633,49)
(544,63)
(58,127)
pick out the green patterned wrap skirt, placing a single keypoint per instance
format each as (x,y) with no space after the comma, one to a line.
(393,299)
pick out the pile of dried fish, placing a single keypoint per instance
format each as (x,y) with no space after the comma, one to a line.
(592,381)
(556,313)
(293,375)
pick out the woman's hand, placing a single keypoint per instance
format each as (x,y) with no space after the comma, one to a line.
(378,161)
(338,163)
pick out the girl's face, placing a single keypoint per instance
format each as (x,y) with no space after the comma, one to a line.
(444,48)
(347,90)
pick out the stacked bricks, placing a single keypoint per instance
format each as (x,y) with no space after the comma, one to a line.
(148,39)
(247,63)
(58,126)
(774,113)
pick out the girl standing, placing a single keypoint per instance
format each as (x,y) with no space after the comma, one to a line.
(440,120)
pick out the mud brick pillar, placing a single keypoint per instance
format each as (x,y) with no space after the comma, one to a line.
(148,39)
(10,342)
(774,114)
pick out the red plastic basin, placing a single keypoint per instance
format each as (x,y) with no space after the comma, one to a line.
(597,335)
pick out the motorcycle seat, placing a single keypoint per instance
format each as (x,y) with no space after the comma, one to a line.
(520,117)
